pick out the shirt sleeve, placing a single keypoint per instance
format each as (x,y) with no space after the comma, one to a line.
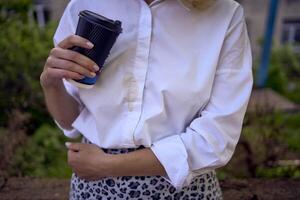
(66,27)
(67,24)
(210,140)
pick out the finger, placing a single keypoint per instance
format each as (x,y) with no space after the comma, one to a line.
(76,57)
(61,73)
(72,146)
(69,65)
(75,146)
(71,157)
(75,40)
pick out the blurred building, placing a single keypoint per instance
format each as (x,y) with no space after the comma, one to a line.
(287,27)
(287,24)
(46,10)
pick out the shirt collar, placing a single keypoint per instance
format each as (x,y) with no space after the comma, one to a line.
(180,1)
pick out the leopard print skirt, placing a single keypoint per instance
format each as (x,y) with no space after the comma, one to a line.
(205,186)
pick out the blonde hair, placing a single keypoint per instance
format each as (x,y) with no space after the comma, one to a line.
(197,4)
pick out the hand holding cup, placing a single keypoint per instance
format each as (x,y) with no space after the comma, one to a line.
(65,63)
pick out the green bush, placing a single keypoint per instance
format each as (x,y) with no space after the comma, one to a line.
(266,140)
(17,8)
(24,48)
(284,72)
(43,155)
(278,172)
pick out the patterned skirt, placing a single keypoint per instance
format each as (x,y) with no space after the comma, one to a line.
(205,186)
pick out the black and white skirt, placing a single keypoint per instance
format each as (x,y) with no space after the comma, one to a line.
(205,186)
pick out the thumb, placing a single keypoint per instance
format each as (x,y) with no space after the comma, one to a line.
(73,146)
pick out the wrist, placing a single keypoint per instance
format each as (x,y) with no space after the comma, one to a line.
(49,83)
(113,164)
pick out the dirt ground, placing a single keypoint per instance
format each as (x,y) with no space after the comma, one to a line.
(57,189)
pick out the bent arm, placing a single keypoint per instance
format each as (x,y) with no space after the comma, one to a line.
(137,163)
(62,98)
(61,105)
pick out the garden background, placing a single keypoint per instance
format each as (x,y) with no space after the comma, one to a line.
(32,146)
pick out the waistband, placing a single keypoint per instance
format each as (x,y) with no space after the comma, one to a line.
(113,151)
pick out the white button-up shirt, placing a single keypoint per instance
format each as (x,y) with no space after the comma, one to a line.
(177,81)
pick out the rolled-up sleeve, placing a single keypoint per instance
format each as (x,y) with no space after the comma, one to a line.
(66,27)
(210,140)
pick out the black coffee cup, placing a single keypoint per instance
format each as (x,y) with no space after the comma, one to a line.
(103,33)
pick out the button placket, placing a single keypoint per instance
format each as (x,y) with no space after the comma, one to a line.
(137,82)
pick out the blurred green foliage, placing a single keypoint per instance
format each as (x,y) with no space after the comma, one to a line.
(43,155)
(20,6)
(284,72)
(266,139)
(17,8)
(24,48)
(278,172)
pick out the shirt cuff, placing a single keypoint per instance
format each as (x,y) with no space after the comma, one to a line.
(171,153)
(72,133)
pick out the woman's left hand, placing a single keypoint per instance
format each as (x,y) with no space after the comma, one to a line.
(88,161)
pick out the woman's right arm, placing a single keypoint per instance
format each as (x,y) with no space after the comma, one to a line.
(68,64)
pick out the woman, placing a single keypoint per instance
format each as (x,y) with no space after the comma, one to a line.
(168,107)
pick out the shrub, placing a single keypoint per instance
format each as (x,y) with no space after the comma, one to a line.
(43,155)
(24,48)
(284,72)
(266,141)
